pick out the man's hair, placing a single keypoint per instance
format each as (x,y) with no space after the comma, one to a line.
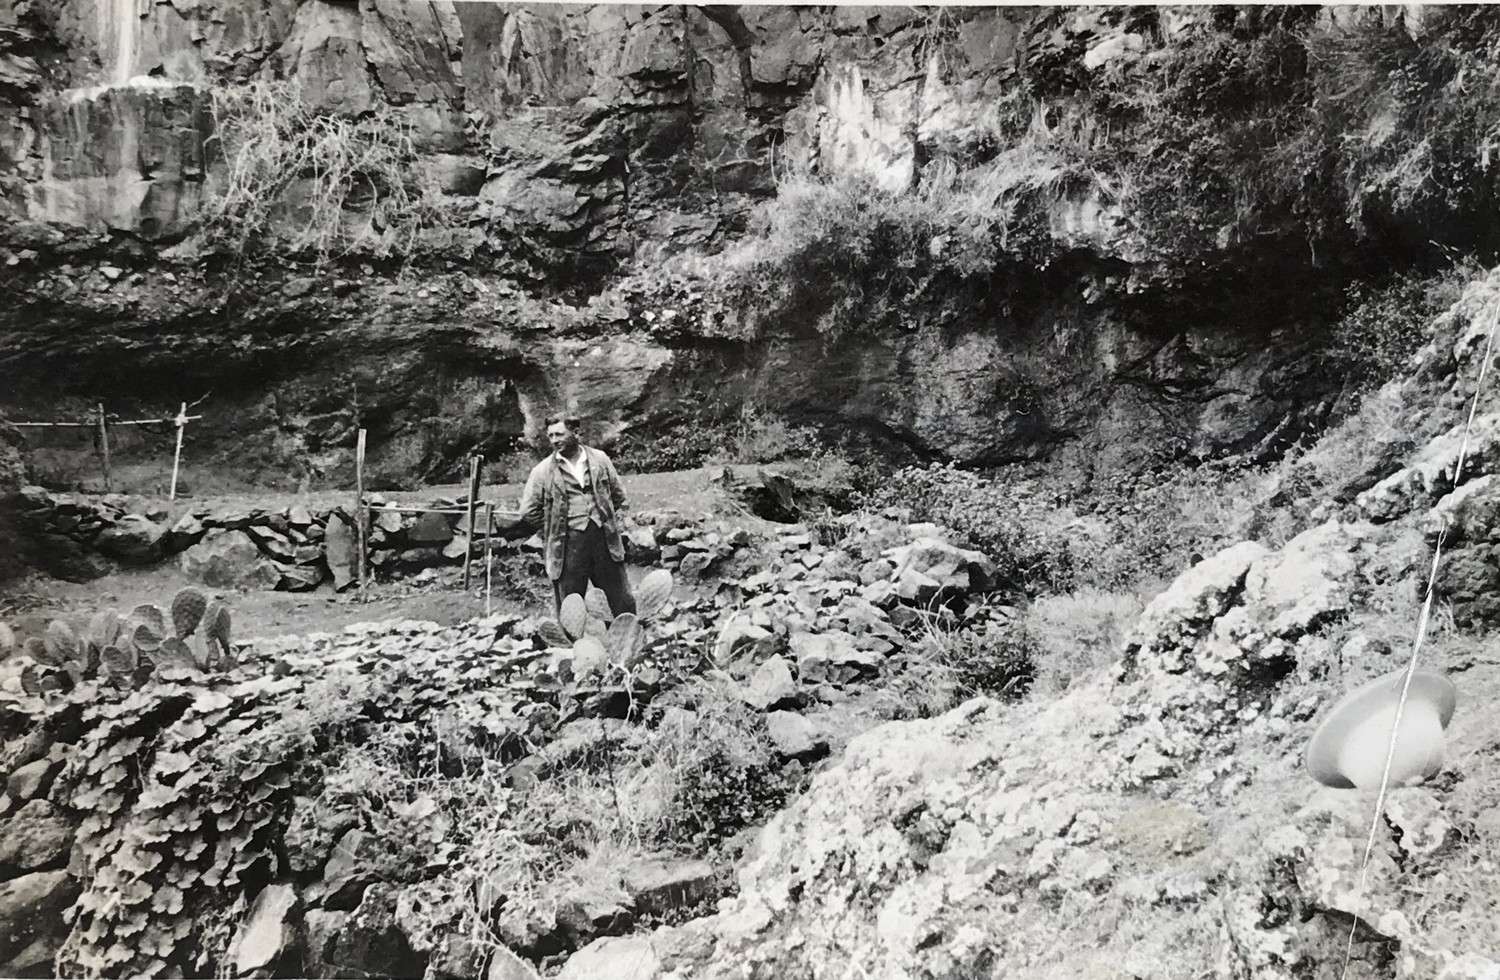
(571,421)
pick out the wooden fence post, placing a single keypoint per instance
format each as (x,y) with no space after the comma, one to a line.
(104,446)
(475,462)
(489,536)
(181,421)
(360,516)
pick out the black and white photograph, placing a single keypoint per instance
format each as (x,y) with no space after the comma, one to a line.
(604,491)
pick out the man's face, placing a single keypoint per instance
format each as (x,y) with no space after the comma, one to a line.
(562,438)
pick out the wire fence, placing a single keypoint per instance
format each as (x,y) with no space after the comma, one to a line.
(100,421)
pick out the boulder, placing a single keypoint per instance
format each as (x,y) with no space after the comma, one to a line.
(272,542)
(735,637)
(229,560)
(618,958)
(660,885)
(695,564)
(36,960)
(641,547)
(930,566)
(794,736)
(268,934)
(31,908)
(36,837)
(133,539)
(430,529)
(506,965)
(322,929)
(340,550)
(300,578)
(771,686)
(33,779)
(371,942)
(187,531)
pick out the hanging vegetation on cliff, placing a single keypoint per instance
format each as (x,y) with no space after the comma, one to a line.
(312,183)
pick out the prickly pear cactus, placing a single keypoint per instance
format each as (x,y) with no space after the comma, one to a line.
(126,651)
(653,593)
(188,607)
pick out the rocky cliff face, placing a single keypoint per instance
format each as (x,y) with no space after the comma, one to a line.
(573,150)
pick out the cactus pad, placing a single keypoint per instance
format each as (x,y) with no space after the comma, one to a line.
(216,623)
(175,654)
(624,633)
(573,615)
(7,640)
(116,661)
(31,680)
(144,637)
(104,628)
(188,607)
(597,604)
(152,616)
(554,635)
(589,656)
(62,645)
(654,590)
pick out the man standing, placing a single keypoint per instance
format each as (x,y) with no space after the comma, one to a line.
(571,496)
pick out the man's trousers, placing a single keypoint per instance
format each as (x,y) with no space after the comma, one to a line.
(586,559)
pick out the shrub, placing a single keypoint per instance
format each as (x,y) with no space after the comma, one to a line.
(1384,325)
(313,183)
(848,254)
(1006,522)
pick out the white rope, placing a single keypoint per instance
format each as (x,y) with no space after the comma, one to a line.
(1411,666)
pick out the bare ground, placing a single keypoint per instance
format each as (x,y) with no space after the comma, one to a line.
(30,603)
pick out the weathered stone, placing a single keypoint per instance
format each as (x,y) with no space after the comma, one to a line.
(430,528)
(31,908)
(272,542)
(32,780)
(506,965)
(36,960)
(735,637)
(299,517)
(640,546)
(229,560)
(370,940)
(629,958)
(794,736)
(36,837)
(694,565)
(134,539)
(347,873)
(322,929)
(268,934)
(387,519)
(339,551)
(300,578)
(187,531)
(771,686)
(657,886)
(421,558)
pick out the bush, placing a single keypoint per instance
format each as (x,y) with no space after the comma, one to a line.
(312,183)
(847,254)
(1005,522)
(1384,325)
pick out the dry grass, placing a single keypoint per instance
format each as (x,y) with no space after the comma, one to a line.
(313,183)
(1077,633)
